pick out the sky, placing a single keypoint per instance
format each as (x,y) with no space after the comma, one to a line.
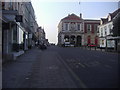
(49,14)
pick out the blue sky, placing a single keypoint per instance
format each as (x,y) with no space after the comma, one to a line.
(49,14)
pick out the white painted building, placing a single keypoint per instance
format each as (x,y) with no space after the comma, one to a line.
(105,31)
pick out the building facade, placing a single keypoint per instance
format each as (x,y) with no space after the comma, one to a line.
(106,35)
(90,32)
(18,28)
(41,35)
(77,31)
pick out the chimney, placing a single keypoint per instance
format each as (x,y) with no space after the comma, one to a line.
(80,15)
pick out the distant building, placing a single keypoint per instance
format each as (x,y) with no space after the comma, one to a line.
(41,36)
(77,31)
(106,35)
(90,32)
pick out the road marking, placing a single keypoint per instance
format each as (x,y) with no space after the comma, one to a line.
(73,74)
(81,65)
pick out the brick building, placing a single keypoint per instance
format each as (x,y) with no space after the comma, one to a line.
(77,31)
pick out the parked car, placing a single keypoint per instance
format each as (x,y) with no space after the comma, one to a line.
(43,46)
(67,44)
(91,45)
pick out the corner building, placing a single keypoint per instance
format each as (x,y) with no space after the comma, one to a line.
(77,31)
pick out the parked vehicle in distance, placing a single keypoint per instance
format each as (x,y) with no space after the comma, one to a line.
(91,45)
(52,44)
(42,46)
(67,44)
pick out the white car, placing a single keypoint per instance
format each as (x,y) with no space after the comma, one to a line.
(72,45)
(67,44)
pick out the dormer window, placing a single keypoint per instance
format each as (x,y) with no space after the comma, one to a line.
(109,18)
(101,22)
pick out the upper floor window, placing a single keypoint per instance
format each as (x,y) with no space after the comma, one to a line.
(72,26)
(62,27)
(96,27)
(78,27)
(3,5)
(11,5)
(101,31)
(110,29)
(109,18)
(66,26)
(88,27)
(98,30)
(105,28)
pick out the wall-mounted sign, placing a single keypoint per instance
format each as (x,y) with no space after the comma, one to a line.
(19,18)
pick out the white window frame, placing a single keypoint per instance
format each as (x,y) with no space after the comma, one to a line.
(89,27)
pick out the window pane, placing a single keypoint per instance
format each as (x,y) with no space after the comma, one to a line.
(78,26)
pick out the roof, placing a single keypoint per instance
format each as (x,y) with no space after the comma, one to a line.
(72,17)
(104,20)
(114,13)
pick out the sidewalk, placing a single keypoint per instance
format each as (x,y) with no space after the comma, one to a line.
(98,49)
(14,72)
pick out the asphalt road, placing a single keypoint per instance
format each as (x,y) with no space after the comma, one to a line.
(59,67)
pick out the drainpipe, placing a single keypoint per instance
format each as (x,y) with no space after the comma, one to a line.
(106,43)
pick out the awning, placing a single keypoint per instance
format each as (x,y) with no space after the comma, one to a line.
(8,15)
(113,38)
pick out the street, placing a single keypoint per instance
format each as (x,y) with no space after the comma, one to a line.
(59,67)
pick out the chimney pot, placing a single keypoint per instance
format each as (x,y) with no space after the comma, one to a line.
(80,15)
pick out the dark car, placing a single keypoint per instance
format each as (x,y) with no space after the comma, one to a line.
(43,46)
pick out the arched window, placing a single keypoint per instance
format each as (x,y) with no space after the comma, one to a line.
(66,38)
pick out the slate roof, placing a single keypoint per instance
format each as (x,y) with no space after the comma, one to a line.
(72,17)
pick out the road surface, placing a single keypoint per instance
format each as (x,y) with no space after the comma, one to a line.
(59,67)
